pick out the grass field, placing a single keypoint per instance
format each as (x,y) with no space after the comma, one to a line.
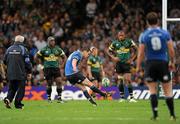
(82,112)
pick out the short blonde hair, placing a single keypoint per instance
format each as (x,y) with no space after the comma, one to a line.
(19,38)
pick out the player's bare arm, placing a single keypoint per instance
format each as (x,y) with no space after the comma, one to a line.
(134,48)
(140,56)
(64,58)
(102,71)
(89,72)
(171,54)
(112,55)
(74,63)
(37,57)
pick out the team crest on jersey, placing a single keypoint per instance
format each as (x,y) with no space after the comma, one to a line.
(94,60)
(46,52)
(117,45)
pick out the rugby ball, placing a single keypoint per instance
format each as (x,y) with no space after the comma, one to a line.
(105,82)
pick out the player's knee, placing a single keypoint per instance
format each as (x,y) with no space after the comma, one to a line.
(127,82)
(59,86)
(152,91)
(59,83)
(87,82)
(168,93)
(58,79)
(48,87)
(120,77)
(83,88)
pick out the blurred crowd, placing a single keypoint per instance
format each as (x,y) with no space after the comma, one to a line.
(76,23)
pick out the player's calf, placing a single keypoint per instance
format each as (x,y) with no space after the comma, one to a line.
(154,105)
(89,98)
(96,90)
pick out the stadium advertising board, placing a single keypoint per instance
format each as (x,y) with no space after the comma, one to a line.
(73,93)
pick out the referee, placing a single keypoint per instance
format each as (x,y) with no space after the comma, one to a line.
(18,66)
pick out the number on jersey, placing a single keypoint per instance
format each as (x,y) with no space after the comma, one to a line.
(156,43)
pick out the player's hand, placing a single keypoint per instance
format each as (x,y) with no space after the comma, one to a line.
(107,51)
(74,70)
(103,74)
(91,77)
(115,59)
(172,67)
(129,61)
(137,69)
(3,76)
(29,76)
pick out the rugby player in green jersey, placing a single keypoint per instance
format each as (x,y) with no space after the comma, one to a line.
(120,52)
(50,56)
(95,67)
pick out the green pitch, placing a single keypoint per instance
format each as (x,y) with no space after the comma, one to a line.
(82,112)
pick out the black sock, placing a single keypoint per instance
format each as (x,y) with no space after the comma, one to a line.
(121,90)
(96,90)
(86,94)
(154,104)
(49,90)
(130,89)
(170,104)
(59,91)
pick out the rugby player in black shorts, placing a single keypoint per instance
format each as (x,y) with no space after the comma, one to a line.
(75,76)
(50,56)
(155,43)
(95,68)
(123,51)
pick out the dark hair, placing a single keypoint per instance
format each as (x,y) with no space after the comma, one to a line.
(152,18)
(85,48)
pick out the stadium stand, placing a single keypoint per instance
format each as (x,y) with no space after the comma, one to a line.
(80,22)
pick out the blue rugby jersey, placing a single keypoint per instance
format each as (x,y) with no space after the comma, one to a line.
(155,41)
(68,67)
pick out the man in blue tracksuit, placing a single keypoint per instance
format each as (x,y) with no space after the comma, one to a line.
(18,66)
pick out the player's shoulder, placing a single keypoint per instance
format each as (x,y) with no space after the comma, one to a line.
(57,47)
(76,53)
(165,32)
(90,57)
(99,58)
(42,51)
(145,34)
(157,29)
(147,31)
(44,48)
(115,41)
(129,40)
